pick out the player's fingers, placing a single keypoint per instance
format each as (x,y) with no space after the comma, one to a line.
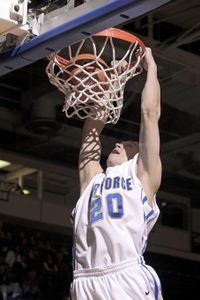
(120,65)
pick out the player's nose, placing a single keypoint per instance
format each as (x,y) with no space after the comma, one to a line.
(118,145)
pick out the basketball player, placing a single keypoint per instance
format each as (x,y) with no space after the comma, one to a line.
(117,208)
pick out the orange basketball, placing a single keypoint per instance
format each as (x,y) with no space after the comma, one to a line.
(92,80)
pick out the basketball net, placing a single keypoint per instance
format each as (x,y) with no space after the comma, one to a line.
(92,85)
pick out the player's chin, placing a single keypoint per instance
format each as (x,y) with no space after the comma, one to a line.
(114,160)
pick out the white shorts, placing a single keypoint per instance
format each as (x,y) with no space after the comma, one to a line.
(129,280)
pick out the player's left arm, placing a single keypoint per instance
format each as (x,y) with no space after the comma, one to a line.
(149,164)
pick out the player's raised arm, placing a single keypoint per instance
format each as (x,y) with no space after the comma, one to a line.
(90,152)
(149,165)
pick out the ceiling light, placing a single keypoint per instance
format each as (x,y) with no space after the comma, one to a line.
(25,192)
(4,163)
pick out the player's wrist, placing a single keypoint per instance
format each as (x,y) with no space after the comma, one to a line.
(99,113)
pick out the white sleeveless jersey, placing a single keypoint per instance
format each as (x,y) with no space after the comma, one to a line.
(112,218)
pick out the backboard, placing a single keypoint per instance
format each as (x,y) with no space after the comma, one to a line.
(54,30)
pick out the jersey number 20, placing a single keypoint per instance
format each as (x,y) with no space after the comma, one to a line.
(114,207)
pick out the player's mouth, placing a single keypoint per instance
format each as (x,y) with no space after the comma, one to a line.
(115,151)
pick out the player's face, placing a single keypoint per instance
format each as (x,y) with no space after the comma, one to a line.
(122,152)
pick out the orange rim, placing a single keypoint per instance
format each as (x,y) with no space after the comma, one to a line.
(110,32)
(122,35)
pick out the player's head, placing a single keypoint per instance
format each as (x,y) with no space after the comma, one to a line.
(122,152)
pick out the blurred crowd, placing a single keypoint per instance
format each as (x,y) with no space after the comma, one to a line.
(34,264)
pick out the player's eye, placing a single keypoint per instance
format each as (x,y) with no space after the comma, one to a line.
(128,145)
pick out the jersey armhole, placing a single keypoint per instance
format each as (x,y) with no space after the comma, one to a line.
(151,213)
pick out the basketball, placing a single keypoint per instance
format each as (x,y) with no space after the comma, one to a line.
(86,82)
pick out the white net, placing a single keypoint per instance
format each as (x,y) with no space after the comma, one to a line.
(89,83)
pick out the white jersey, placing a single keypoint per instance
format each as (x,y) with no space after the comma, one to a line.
(112,219)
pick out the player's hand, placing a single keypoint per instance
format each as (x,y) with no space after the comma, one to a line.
(119,65)
(99,112)
(148,60)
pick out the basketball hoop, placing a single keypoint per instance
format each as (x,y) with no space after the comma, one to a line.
(92,73)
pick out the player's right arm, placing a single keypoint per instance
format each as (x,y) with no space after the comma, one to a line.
(90,152)
(149,168)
